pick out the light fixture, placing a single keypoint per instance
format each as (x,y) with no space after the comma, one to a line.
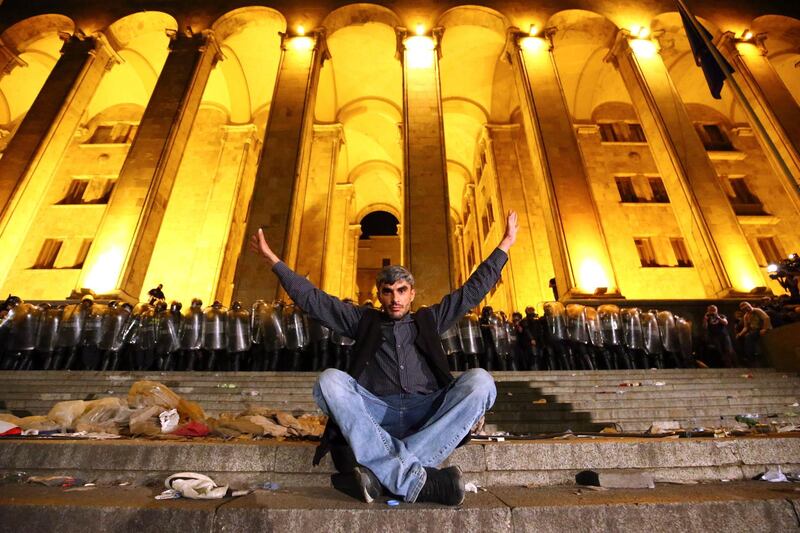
(420,29)
(644,33)
(301,30)
(533,30)
(420,51)
(772,268)
(747,35)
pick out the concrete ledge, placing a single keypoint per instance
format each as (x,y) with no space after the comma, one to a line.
(544,462)
(745,506)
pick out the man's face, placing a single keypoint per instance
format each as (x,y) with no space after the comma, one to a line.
(396,298)
(745,307)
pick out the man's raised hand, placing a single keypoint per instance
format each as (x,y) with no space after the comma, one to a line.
(511,231)
(259,245)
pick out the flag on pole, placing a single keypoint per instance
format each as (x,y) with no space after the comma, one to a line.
(703,56)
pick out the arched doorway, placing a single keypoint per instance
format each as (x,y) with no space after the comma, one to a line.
(378,246)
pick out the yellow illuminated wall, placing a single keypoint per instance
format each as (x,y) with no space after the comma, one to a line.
(357,156)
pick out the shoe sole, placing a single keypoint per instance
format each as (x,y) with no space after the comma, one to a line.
(364,483)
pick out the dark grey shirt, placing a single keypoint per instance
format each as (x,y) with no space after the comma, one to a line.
(398,366)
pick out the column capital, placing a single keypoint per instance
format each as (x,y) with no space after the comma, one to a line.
(404,37)
(103,46)
(335,131)
(729,42)
(188,40)
(517,40)
(316,40)
(9,59)
(625,43)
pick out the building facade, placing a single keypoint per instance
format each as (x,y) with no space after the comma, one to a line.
(143,146)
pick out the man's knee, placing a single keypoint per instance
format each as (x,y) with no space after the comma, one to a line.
(480,382)
(328,382)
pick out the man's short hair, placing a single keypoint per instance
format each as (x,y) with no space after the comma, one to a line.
(392,274)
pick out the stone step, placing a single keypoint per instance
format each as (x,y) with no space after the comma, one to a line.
(621,413)
(735,506)
(513,462)
(583,424)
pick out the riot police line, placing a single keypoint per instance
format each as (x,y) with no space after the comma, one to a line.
(277,336)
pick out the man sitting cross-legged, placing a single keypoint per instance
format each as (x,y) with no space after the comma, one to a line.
(398,407)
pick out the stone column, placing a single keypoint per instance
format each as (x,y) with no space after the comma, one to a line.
(580,256)
(349,263)
(315,199)
(50,123)
(33,155)
(333,280)
(774,105)
(122,248)
(285,151)
(426,216)
(524,273)
(718,247)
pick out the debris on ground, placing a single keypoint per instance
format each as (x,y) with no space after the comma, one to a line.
(196,487)
(773,474)
(154,410)
(659,427)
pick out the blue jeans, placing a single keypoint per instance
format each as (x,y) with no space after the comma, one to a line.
(397,436)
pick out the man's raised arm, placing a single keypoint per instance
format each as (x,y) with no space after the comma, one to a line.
(329,310)
(454,305)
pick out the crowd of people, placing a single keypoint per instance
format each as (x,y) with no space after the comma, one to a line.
(278,336)
(155,335)
(736,342)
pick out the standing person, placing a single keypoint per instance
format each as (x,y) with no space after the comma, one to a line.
(718,338)
(756,324)
(398,407)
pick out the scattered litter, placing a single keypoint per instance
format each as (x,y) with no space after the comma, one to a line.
(87,435)
(7,429)
(85,488)
(540,401)
(620,392)
(750,419)
(471,487)
(392,503)
(773,474)
(795,404)
(169,420)
(192,429)
(609,429)
(659,383)
(124,484)
(663,426)
(169,494)
(270,485)
(226,386)
(788,428)
(630,384)
(250,393)
(57,481)
(194,486)
(746,376)
(679,481)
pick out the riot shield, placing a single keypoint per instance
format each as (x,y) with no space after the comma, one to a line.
(238,333)
(577,327)
(214,334)
(611,323)
(554,314)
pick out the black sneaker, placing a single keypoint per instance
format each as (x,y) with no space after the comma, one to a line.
(445,486)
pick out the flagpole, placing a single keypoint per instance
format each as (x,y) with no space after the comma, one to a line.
(751,114)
